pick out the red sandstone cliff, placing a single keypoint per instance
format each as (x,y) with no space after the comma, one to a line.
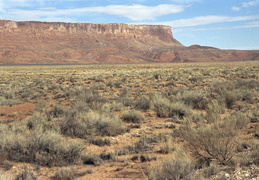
(42,42)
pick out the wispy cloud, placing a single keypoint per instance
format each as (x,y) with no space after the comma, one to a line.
(243,48)
(251,3)
(140,12)
(245,5)
(185,1)
(1,7)
(132,12)
(247,25)
(235,8)
(205,20)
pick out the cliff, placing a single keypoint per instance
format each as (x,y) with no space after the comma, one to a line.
(41,29)
(43,42)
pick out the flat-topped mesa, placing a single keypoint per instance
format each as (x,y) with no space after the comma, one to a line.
(56,42)
(163,33)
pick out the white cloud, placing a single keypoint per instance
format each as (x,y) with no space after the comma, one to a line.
(140,12)
(235,8)
(6,4)
(248,25)
(253,24)
(11,4)
(132,12)
(185,1)
(205,20)
(1,6)
(245,5)
(56,19)
(251,3)
(243,48)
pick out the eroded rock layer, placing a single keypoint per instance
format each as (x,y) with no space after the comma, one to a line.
(43,43)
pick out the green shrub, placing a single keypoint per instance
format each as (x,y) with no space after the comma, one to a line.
(82,125)
(89,98)
(221,87)
(230,98)
(10,93)
(254,155)
(157,76)
(75,125)
(125,92)
(108,155)
(6,176)
(40,106)
(247,95)
(213,110)
(253,115)
(116,84)
(228,92)
(195,99)
(116,106)
(211,170)
(56,112)
(26,92)
(232,92)
(101,142)
(216,141)
(7,165)
(166,143)
(26,174)
(42,148)
(128,102)
(247,84)
(144,158)
(173,170)
(165,108)
(92,160)
(144,103)
(65,174)
(8,102)
(133,117)
(141,146)
(248,154)
(237,120)
(40,121)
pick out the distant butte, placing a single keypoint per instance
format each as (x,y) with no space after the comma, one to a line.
(70,43)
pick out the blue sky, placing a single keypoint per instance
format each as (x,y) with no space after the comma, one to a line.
(226,24)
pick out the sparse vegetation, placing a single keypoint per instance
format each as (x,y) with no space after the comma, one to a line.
(65,174)
(74,118)
(42,148)
(26,174)
(173,169)
(165,108)
(85,124)
(217,141)
(133,117)
(167,144)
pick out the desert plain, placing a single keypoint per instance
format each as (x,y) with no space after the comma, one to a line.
(130,121)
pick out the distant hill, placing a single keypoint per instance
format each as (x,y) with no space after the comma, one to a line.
(58,43)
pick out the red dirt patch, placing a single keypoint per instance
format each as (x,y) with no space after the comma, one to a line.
(21,110)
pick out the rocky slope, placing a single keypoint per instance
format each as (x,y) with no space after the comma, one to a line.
(43,43)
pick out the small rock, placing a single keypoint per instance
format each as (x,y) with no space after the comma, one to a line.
(227,175)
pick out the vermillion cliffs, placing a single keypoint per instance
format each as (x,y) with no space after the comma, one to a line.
(43,43)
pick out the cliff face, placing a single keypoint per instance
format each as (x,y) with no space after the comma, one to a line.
(163,33)
(42,42)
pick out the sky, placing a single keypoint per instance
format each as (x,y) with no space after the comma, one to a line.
(225,24)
